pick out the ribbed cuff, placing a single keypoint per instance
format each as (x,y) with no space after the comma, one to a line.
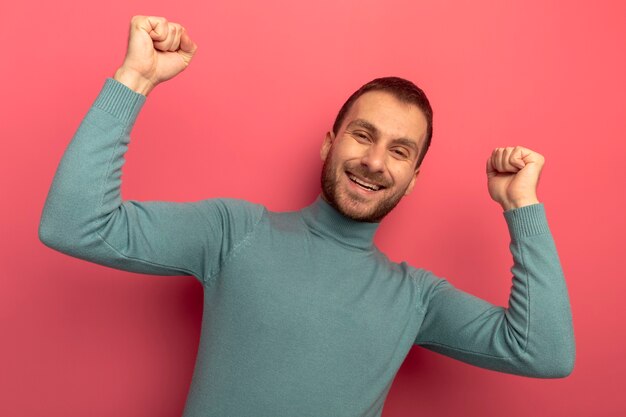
(527,221)
(120,101)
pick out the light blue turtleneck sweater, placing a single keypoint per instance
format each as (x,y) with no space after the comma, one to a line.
(303,315)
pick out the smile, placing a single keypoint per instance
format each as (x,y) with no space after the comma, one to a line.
(364,184)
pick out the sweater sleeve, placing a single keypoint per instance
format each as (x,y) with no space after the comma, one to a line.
(85,217)
(534,335)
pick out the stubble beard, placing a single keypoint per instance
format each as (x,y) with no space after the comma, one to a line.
(350,205)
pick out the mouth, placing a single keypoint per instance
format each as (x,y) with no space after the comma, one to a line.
(365,185)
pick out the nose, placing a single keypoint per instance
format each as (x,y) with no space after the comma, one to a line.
(374,158)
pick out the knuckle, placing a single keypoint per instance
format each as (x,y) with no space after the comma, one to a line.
(159,20)
(136,20)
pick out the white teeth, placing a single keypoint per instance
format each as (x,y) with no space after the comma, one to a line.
(364,184)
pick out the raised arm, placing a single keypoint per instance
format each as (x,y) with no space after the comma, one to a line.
(533,335)
(84,215)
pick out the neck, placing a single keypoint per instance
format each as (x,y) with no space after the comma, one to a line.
(325,220)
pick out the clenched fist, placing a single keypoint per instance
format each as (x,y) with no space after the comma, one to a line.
(513,176)
(157,51)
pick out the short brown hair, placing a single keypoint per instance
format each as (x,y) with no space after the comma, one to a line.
(403,90)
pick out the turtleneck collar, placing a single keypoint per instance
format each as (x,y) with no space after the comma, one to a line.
(324,220)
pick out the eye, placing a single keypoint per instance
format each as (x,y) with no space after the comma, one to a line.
(361,136)
(401,152)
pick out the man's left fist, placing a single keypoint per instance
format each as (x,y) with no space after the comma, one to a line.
(513,175)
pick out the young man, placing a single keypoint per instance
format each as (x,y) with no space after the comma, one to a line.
(303,316)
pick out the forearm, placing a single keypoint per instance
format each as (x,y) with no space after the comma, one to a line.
(86,186)
(539,311)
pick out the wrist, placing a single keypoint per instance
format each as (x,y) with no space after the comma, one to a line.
(510,205)
(133,80)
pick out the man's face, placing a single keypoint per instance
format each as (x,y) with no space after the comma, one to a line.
(371,163)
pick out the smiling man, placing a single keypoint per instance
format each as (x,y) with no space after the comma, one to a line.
(371,159)
(303,315)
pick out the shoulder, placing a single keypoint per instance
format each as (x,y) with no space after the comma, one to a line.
(232,219)
(232,209)
(423,278)
(424,283)
(428,282)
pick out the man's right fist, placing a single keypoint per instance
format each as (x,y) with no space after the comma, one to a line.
(157,51)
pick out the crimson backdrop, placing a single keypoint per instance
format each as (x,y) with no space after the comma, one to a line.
(246,120)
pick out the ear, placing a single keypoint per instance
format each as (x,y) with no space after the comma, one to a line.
(328,142)
(412,183)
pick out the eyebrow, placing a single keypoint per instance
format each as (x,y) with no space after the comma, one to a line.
(374,130)
(364,124)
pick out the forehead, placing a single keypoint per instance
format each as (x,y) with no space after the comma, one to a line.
(392,117)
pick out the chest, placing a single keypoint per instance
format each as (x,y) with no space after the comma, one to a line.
(294,286)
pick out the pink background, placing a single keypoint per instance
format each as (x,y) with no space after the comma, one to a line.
(246,120)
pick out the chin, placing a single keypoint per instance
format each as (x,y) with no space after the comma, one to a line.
(372,212)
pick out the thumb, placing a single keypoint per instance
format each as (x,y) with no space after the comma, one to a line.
(187,47)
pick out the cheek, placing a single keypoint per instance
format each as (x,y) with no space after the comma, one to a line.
(339,155)
(402,175)
(348,148)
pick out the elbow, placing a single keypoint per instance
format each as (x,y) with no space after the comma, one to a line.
(564,367)
(558,364)
(76,238)
(545,370)
(562,356)
(47,235)
(55,237)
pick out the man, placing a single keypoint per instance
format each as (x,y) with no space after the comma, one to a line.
(303,316)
